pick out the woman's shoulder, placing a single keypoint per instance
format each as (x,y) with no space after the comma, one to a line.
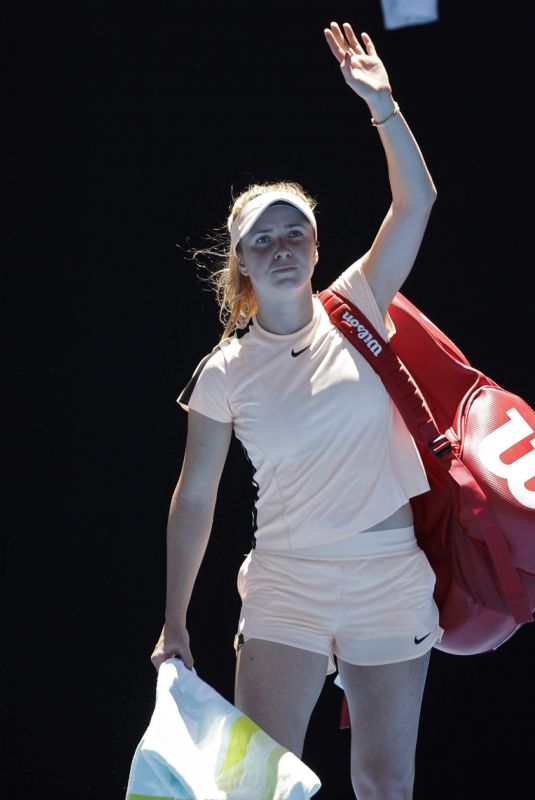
(221,355)
(353,284)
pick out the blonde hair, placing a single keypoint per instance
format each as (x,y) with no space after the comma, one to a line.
(234,291)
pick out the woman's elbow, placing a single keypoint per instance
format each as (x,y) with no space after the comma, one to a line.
(427,200)
(432,193)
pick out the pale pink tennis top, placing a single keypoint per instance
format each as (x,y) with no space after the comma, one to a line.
(330,451)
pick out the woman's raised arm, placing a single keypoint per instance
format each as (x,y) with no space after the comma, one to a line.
(391,256)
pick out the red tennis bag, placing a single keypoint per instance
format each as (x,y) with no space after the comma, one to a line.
(477,443)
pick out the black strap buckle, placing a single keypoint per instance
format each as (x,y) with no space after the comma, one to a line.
(440,446)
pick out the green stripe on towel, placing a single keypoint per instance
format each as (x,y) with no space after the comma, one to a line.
(146,797)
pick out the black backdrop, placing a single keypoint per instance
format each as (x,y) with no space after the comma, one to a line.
(132,124)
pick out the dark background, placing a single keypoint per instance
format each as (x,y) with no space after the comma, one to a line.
(127,127)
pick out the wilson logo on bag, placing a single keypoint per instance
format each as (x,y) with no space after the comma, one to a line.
(508,453)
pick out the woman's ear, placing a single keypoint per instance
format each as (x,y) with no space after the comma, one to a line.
(241,262)
(316,256)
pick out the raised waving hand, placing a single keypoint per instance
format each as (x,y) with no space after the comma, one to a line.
(390,258)
(361,67)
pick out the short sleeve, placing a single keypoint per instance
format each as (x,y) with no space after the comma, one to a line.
(352,284)
(206,391)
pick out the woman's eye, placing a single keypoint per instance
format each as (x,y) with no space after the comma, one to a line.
(294,233)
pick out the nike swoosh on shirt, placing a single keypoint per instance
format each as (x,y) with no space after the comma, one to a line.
(417,641)
(299,351)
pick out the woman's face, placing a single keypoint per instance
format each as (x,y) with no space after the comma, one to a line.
(279,251)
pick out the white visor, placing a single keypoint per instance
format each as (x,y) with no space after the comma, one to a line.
(255,207)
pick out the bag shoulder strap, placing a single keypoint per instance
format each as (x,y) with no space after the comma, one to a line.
(402,388)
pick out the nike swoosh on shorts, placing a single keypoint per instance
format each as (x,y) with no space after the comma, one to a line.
(417,641)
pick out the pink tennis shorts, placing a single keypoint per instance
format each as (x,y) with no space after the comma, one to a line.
(367,599)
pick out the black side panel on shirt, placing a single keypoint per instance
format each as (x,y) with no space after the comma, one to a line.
(187,391)
(256,487)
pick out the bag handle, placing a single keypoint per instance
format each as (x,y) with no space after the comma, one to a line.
(402,388)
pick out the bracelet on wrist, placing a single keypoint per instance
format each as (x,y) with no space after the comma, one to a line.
(388,119)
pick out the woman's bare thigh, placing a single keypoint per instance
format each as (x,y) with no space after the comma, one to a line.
(277,686)
(384,704)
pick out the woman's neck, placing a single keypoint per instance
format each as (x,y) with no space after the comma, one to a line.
(285,315)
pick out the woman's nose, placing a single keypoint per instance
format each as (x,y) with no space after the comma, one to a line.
(282,249)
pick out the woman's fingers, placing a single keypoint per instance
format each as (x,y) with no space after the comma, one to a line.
(338,35)
(351,38)
(337,51)
(173,643)
(158,660)
(346,42)
(370,49)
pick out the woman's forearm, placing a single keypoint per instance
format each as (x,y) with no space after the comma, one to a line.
(188,531)
(411,184)
(410,181)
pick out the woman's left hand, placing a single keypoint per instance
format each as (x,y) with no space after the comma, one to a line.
(361,67)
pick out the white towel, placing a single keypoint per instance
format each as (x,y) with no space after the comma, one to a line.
(401,13)
(198,746)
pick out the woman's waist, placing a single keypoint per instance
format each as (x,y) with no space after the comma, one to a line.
(401,518)
(360,544)
(283,531)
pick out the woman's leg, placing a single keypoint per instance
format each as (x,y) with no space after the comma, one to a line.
(278,687)
(384,707)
